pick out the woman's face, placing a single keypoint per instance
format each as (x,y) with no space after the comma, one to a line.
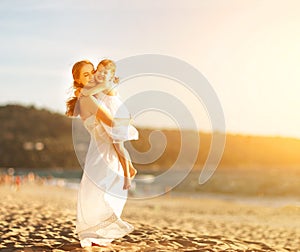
(86,74)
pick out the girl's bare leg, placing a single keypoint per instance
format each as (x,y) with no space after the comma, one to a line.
(132,170)
(122,154)
(129,170)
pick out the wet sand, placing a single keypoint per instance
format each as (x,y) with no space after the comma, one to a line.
(42,218)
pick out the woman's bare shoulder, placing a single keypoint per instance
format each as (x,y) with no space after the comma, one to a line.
(87,103)
(86,100)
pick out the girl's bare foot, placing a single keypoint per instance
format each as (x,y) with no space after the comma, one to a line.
(132,171)
(127,183)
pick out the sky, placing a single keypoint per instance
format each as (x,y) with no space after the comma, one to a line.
(249,52)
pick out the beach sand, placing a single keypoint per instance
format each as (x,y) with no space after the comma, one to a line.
(42,218)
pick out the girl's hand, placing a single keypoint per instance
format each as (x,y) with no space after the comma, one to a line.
(116,80)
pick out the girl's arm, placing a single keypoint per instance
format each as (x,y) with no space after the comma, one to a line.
(94,90)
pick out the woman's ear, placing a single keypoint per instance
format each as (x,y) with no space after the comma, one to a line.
(77,81)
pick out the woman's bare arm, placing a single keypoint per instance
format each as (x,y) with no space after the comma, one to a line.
(89,106)
(104,116)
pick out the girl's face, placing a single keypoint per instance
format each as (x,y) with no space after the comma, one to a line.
(100,74)
(86,74)
(109,74)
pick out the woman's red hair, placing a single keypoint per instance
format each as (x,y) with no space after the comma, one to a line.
(72,108)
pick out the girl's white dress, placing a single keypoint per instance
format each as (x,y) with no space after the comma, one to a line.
(101,197)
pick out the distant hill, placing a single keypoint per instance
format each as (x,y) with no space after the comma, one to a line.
(24,130)
(38,138)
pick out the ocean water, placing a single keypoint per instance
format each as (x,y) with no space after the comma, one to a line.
(273,186)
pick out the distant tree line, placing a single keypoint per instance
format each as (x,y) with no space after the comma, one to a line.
(39,138)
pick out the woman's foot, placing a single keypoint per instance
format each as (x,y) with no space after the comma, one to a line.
(98,245)
(87,242)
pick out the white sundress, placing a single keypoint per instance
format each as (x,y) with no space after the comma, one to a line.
(101,197)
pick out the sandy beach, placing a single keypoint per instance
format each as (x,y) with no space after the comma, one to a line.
(42,218)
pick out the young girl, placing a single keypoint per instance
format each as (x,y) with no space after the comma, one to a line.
(103,87)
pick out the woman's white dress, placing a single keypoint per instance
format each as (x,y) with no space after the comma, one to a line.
(101,197)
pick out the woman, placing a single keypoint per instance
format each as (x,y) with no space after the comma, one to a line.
(101,198)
